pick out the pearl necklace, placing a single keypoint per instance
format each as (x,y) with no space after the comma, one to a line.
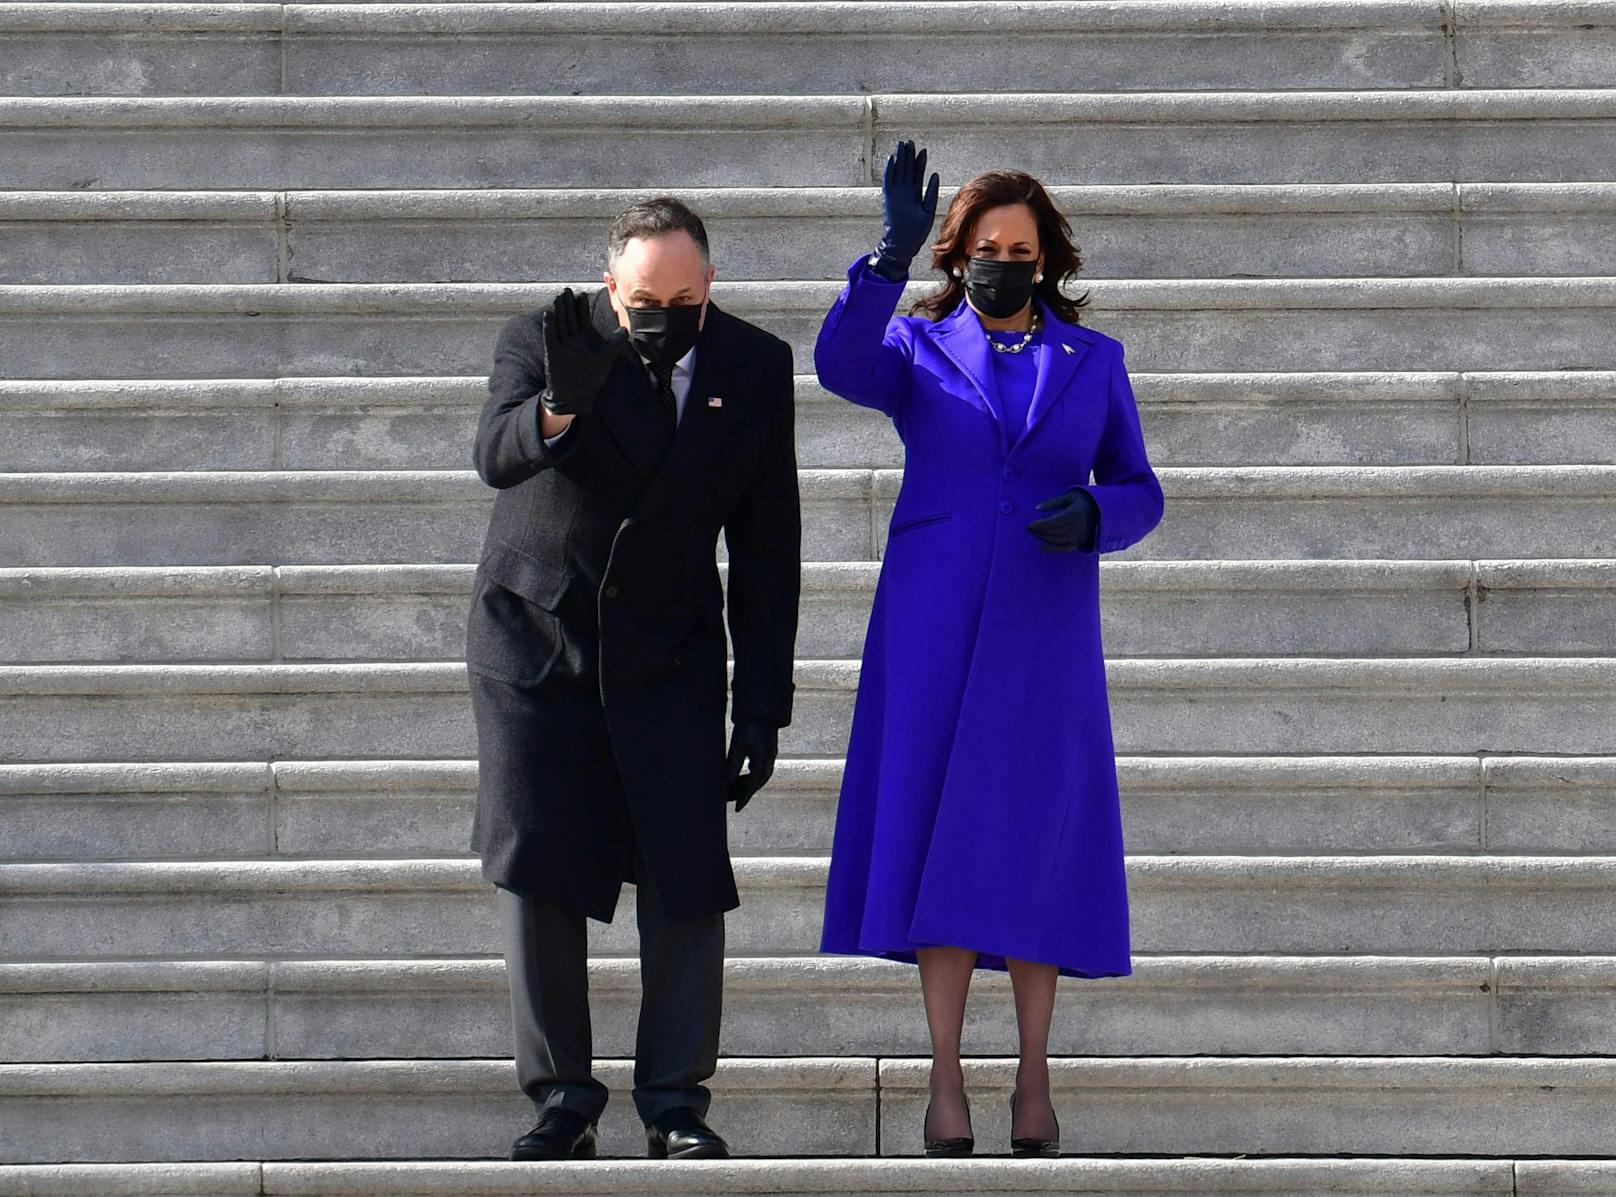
(1024,342)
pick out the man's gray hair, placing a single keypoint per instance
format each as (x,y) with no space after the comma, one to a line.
(654,218)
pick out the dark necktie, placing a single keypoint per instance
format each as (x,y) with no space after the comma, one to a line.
(670,404)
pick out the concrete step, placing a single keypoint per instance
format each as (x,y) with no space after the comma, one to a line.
(1245,705)
(815,1005)
(312,909)
(427,422)
(394,1109)
(1285,1106)
(1171,804)
(1112,1176)
(1172,325)
(399,1109)
(658,50)
(1343,418)
(314,613)
(1538,134)
(1284,230)
(424,517)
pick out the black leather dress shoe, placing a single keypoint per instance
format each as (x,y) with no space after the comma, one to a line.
(559,1134)
(682,1134)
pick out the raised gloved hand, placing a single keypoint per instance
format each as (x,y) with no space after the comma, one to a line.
(577,358)
(907,211)
(758,743)
(1072,525)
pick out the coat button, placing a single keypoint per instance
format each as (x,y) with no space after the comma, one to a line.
(1006,506)
(1008,473)
(611,592)
(678,662)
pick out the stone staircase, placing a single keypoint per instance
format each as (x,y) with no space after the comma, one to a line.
(1363,676)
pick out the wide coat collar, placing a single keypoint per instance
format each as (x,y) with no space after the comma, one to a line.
(960,337)
(627,404)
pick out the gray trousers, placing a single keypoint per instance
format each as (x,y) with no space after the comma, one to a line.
(682,986)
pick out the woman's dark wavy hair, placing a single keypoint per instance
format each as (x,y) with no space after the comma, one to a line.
(992,189)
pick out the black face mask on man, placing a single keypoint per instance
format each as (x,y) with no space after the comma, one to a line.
(999,288)
(664,335)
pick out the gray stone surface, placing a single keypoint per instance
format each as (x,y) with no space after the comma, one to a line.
(1160,230)
(800,49)
(67,713)
(199,1010)
(1515,705)
(1555,804)
(297,613)
(1327,1106)
(460,1007)
(392,1109)
(1503,43)
(1417,135)
(1171,804)
(439,516)
(1498,135)
(322,518)
(328,423)
(1513,419)
(73,713)
(1128,231)
(132,1180)
(403,141)
(116,614)
(1387,904)
(1123,232)
(811,50)
(139,50)
(134,811)
(1222,418)
(1413,513)
(790,1178)
(1518,604)
(1555,1004)
(1177,325)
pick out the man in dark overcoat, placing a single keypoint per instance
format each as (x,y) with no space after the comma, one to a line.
(624,429)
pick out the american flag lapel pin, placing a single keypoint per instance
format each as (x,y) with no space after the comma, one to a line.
(715,401)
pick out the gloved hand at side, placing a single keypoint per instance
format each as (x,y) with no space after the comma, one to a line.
(1073,523)
(758,743)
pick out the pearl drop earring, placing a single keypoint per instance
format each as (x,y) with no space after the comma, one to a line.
(1039,277)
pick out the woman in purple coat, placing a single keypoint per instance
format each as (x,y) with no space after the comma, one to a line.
(978,824)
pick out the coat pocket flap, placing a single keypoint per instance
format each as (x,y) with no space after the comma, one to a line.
(538,580)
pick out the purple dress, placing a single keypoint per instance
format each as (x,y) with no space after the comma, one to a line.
(979,803)
(1014,376)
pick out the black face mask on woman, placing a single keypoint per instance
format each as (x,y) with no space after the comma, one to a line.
(999,288)
(664,335)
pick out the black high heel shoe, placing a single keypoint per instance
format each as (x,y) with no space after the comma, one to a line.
(956,1148)
(1027,1148)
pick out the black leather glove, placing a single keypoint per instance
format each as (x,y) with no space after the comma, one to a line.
(1073,524)
(758,743)
(907,211)
(577,358)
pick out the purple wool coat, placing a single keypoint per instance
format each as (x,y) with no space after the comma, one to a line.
(979,805)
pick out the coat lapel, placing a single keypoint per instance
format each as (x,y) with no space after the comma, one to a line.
(960,337)
(718,374)
(627,404)
(1064,346)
